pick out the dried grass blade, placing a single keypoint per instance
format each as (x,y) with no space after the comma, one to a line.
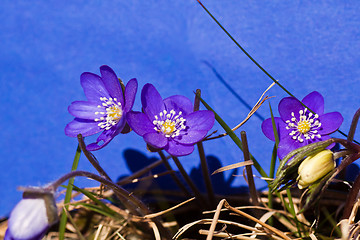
(215,219)
(258,104)
(81,237)
(272,229)
(232,166)
(209,221)
(156,230)
(168,210)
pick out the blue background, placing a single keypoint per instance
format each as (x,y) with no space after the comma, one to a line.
(46,45)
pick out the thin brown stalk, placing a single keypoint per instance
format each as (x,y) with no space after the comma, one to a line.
(353,125)
(249,173)
(91,158)
(152,176)
(203,162)
(350,201)
(139,173)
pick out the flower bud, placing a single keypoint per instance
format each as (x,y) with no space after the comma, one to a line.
(315,167)
(32,216)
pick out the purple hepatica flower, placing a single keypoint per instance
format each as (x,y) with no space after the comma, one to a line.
(297,126)
(170,124)
(31,218)
(105,109)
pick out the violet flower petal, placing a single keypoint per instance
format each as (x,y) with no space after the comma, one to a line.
(179,103)
(85,127)
(289,105)
(151,100)
(267,128)
(330,122)
(140,123)
(130,92)
(93,86)
(156,139)
(104,139)
(84,110)
(198,124)
(286,145)
(315,102)
(106,136)
(112,83)
(178,150)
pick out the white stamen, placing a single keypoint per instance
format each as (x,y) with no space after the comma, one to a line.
(170,124)
(305,128)
(112,113)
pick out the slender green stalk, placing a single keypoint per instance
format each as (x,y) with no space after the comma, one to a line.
(243,50)
(292,210)
(332,221)
(67,199)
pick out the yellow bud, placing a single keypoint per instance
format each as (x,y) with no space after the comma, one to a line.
(315,167)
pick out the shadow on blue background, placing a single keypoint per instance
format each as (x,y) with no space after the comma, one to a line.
(136,160)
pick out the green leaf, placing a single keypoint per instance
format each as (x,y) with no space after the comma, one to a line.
(105,209)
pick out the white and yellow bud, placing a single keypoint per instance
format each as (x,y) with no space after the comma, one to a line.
(315,167)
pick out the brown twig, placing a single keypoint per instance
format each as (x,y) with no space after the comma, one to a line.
(91,158)
(203,162)
(139,173)
(249,173)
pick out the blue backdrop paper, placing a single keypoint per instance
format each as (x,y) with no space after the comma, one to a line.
(46,45)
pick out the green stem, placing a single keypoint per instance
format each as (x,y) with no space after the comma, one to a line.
(69,189)
(292,211)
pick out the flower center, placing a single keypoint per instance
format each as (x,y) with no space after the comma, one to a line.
(112,114)
(303,126)
(306,127)
(170,124)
